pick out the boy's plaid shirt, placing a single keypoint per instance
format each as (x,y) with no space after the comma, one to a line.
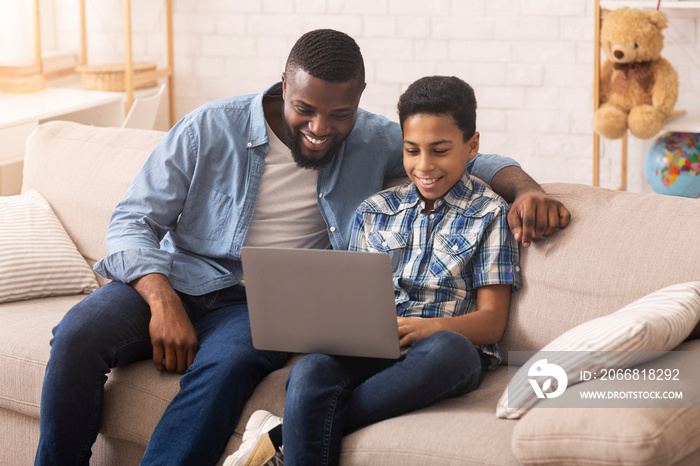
(440,259)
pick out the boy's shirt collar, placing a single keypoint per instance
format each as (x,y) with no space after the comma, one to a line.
(456,198)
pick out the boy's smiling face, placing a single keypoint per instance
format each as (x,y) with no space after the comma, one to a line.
(435,154)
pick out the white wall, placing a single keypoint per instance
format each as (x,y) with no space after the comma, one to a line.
(530,61)
(16,33)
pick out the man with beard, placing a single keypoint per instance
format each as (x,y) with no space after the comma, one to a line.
(286,167)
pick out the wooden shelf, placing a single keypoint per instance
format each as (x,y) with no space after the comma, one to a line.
(132,81)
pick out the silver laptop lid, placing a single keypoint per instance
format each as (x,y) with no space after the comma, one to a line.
(321,301)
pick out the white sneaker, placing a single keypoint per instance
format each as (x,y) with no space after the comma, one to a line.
(256,448)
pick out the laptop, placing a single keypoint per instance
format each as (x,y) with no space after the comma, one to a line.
(321,301)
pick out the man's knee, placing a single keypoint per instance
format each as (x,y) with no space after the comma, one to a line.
(233,365)
(107,317)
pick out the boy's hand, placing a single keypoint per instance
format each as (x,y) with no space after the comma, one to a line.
(413,329)
(534,215)
(483,326)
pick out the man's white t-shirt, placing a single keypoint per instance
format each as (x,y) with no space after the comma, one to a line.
(286,212)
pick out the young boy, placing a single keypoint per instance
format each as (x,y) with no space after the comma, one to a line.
(455,264)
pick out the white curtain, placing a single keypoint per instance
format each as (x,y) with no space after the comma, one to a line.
(16,31)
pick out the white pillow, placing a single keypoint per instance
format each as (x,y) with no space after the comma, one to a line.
(659,321)
(37,257)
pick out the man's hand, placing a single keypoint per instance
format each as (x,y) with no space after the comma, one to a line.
(173,336)
(535,215)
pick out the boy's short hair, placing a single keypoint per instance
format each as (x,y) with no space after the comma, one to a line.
(441,95)
(328,55)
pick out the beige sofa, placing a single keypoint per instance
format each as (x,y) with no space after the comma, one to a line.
(619,247)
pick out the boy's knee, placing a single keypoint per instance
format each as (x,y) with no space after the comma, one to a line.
(454,357)
(448,342)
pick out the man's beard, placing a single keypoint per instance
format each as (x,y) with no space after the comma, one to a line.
(305,162)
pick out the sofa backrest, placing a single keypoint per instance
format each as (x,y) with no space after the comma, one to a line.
(83,171)
(619,247)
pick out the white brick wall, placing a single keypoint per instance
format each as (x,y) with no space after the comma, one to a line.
(530,61)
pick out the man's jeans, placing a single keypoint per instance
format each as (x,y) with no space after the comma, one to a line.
(109,329)
(331,396)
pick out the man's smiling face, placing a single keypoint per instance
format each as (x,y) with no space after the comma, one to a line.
(318,116)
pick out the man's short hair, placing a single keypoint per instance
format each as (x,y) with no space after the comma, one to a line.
(441,95)
(328,55)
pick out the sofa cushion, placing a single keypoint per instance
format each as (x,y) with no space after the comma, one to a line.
(639,436)
(25,333)
(626,338)
(609,256)
(136,395)
(37,258)
(83,171)
(141,385)
(455,431)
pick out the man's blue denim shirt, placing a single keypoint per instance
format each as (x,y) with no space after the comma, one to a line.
(187,212)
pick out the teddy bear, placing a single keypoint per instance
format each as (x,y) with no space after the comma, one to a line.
(638,88)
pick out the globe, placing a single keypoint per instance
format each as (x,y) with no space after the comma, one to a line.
(672,165)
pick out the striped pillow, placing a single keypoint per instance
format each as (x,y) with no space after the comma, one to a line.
(659,321)
(37,257)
